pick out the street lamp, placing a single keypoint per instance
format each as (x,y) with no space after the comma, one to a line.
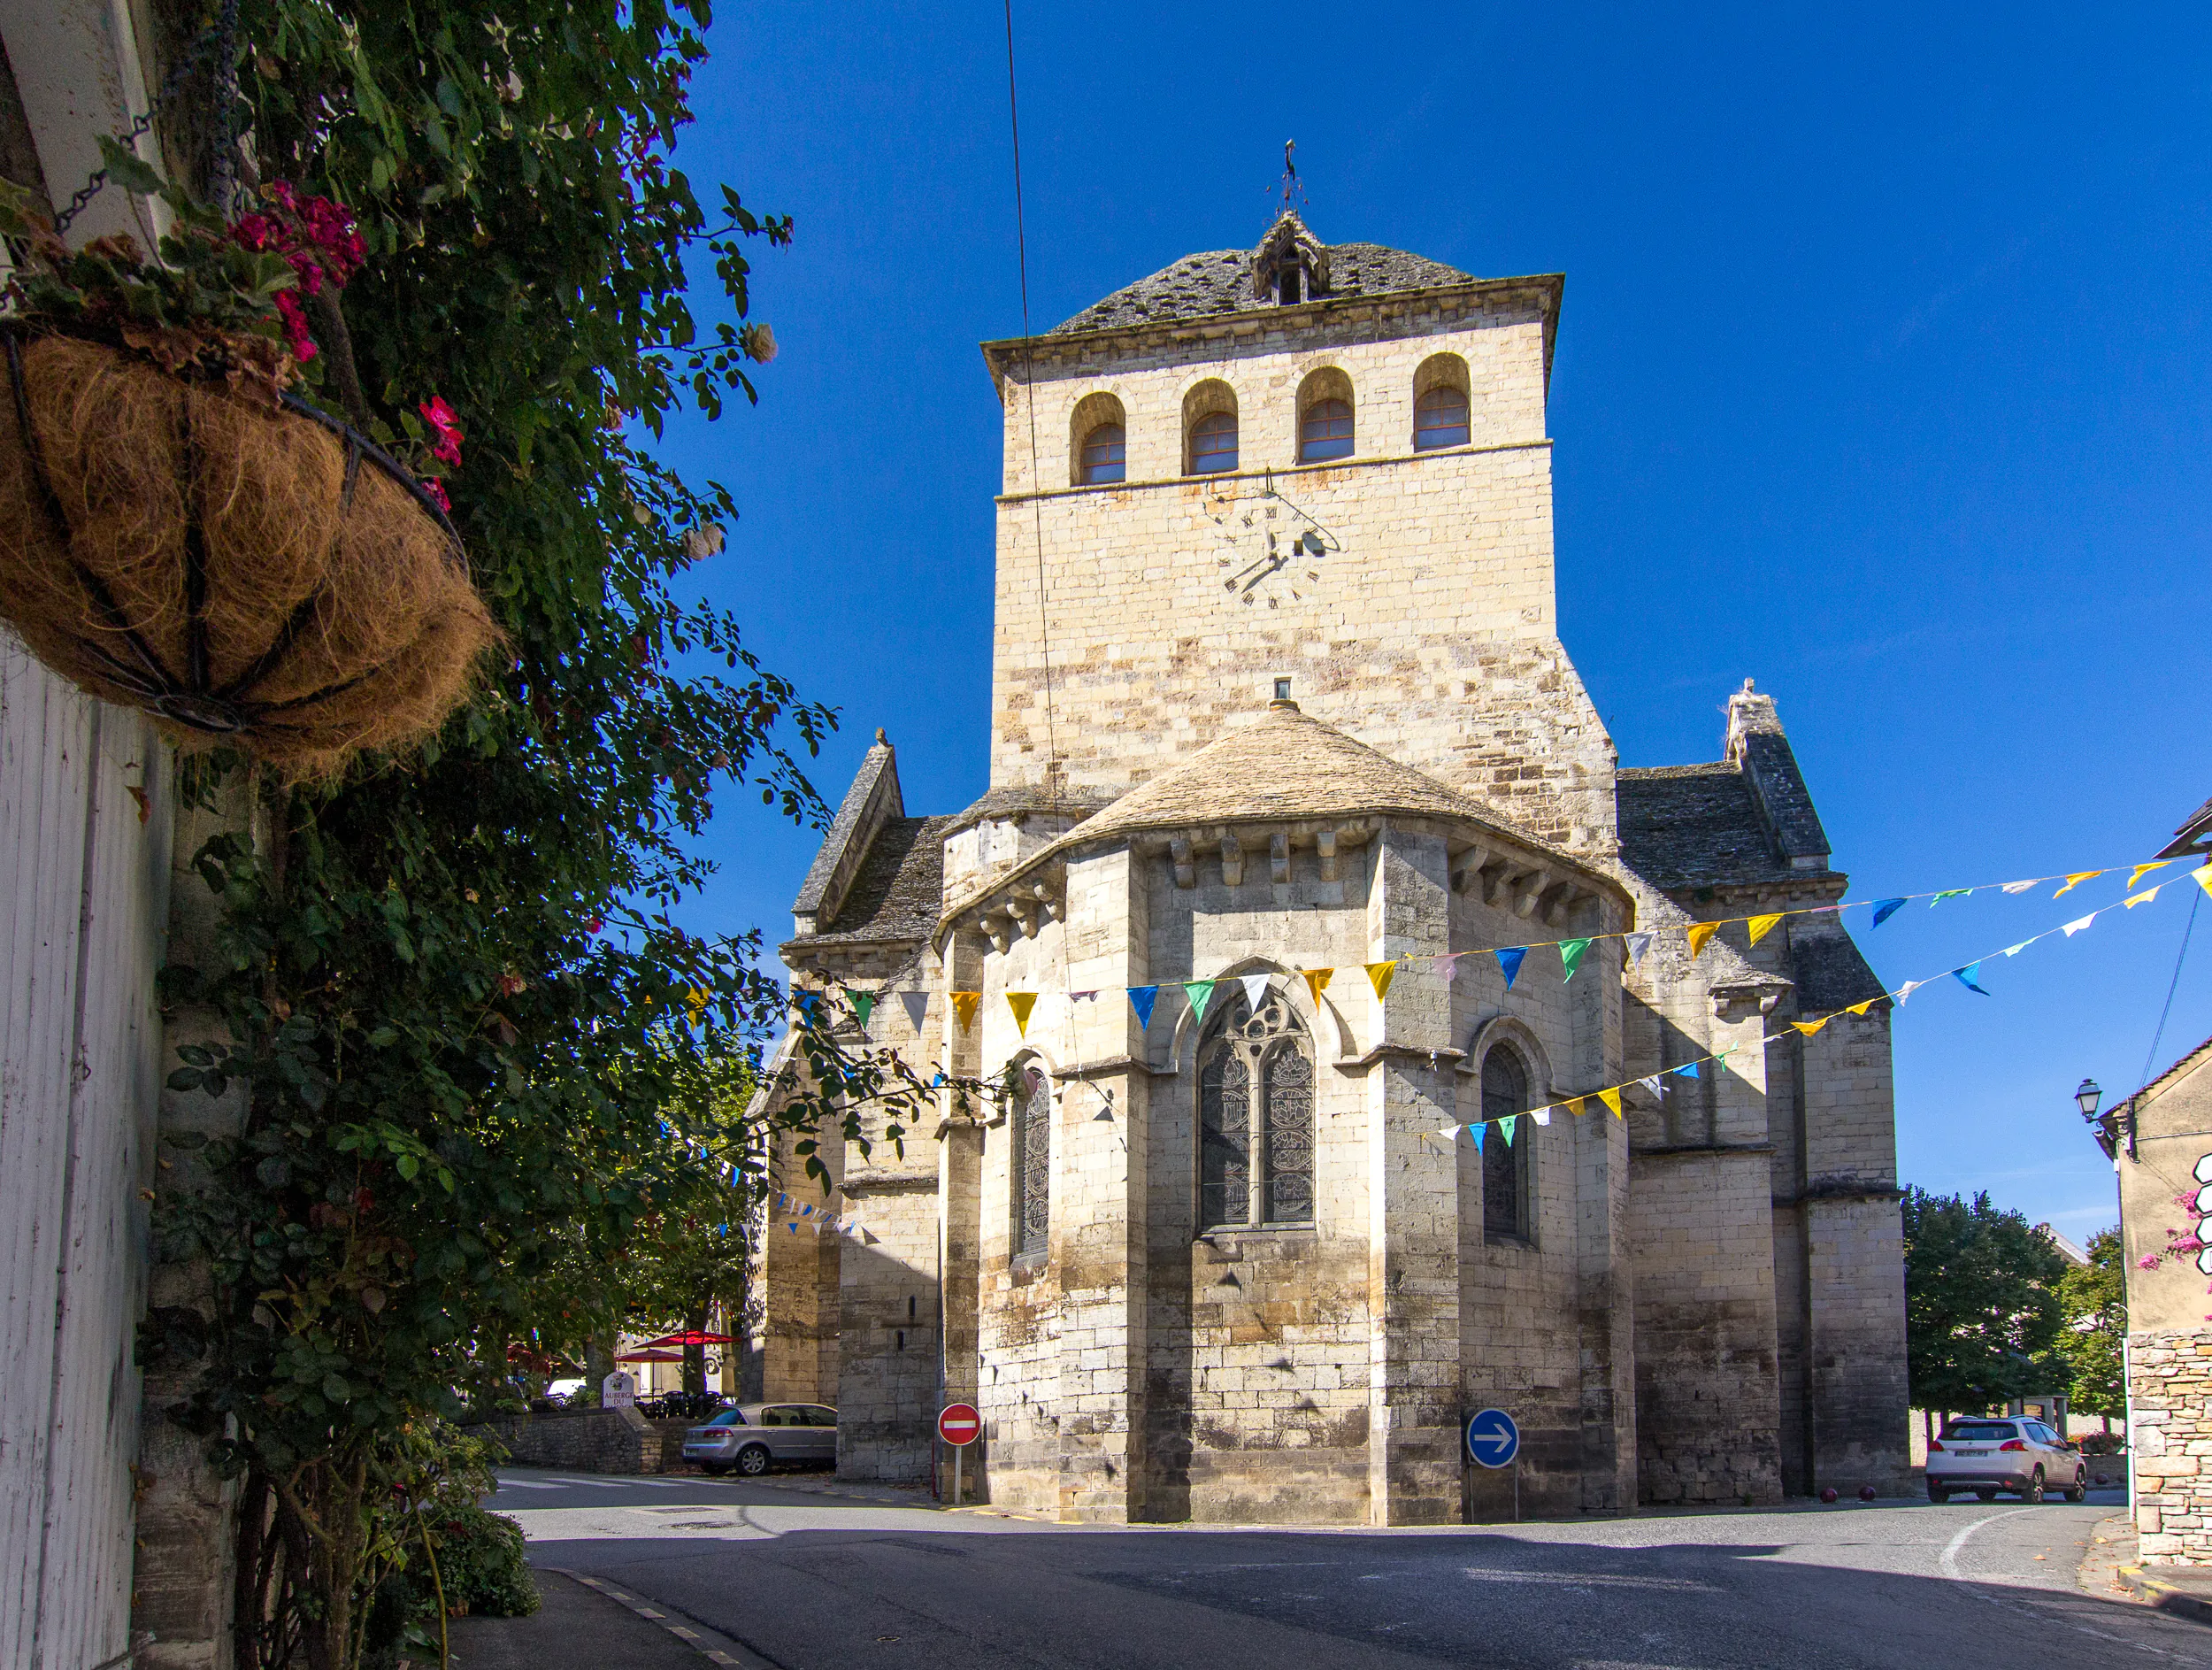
(2087,1096)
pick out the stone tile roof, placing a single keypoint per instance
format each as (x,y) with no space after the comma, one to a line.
(1218,282)
(898,889)
(1016,799)
(1694,826)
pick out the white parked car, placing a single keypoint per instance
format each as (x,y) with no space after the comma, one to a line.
(1986,1454)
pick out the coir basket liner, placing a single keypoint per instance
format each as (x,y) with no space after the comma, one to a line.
(261,577)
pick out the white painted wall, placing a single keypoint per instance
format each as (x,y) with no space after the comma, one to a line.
(84,866)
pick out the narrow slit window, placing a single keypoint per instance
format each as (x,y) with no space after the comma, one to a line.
(1505,1164)
(1033,1166)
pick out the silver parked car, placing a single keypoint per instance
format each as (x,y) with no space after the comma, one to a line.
(1986,1454)
(750,1438)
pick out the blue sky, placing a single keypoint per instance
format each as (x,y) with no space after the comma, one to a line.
(1882,377)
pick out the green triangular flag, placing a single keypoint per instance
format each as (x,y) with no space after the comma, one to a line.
(1199,991)
(1505,1126)
(864,1005)
(1570,951)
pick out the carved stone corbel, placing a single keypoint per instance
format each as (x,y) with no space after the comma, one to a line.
(1324,845)
(1186,865)
(1232,861)
(1278,856)
(1528,891)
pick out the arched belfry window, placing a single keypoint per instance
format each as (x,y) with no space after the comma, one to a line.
(1505,1163)
(1105,455)
(1031,1161)
(1439,419)
(1256,1113)
(1213,443)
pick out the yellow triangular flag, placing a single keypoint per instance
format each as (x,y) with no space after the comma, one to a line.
(1860,1009)
(1574,1106)
(1808,1028)
(1317,982)
(963,1004)
(1612,1099)
(1021,1003)
(2144,898)
(2202,878)
(2075,880)
(2142,870)
(1699,932)
(1762,926)
(1382,974)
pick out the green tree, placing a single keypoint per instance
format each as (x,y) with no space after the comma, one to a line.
(1982,1307)
(2092,1299)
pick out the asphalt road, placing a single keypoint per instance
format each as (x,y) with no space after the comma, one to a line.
(813,1582)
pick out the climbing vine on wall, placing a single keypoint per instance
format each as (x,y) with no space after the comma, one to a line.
(451,990)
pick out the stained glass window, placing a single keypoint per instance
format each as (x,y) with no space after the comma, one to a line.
(1505,1169)
(1256,1118)
(1032,1165)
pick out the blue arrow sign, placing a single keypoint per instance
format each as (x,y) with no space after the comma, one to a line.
(1492,1439)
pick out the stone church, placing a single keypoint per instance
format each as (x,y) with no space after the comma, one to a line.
(1277,686)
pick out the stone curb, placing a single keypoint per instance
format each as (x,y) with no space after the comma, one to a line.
(2181,1601)
(710,1644)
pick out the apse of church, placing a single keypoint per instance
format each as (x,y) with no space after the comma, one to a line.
(1277,688)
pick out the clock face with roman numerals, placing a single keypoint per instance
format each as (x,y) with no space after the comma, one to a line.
(1267,549)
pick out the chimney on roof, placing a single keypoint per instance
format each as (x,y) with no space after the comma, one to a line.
(1749,714)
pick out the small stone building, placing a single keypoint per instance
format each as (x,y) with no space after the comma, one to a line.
(2161,1139)
(1277,686)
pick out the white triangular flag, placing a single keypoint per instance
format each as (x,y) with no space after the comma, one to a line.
(1255,992)
(1653,1085)
(1542,1116)
(2019,887)
(2078,923)
(1637,944)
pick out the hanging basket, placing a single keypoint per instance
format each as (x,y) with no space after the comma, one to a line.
(263,578)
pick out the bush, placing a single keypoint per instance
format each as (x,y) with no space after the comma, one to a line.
(480,1563)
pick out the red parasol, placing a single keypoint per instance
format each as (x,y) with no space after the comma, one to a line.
(649,1357)
(689,1337)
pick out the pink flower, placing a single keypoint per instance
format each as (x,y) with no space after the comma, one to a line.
(436,489)
(303,345)
(2149,1261)
(447,448)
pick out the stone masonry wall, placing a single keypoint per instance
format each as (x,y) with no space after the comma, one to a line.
(2170,1385)
(581,1441)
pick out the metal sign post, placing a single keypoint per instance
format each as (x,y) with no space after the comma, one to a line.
(959,1425)
(1495,1441)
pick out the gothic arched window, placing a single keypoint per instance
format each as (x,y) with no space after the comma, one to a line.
(1031,1163)
(1254,1118)
(1104,454)
(1439,419)
(1505,1167)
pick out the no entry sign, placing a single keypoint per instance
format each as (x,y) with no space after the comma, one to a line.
(959,1425)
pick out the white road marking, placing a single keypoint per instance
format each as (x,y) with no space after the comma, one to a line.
(1949,1559)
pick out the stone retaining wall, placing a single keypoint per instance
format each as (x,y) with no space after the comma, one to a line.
(583,1440)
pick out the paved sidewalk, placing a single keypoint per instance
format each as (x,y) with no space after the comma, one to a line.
(578,1627)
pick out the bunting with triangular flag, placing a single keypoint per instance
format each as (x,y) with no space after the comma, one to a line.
(2202,877)
(1968,976)
(1653,1085)
(1573,1105)
(1884,909)
(1687,1070)
(1760,927)
(1255,990)
(1861,1009)
(1505,1127)
(917,1006)
(1021,1003)
(2075,880)
(1509,960)
(2142,870)
(864,1005)
(1542,1116)
(1612,1100)
(2019,887)
(1699,932)
(1382,974)
(1198,991)
(1475,1131)
(1637,944)
(1317,982)
(2075,927)
(1571,952)
(964,1005)
(1141,998)
(1447,966)
(2144,898)
(1949,893)
(1808,1028)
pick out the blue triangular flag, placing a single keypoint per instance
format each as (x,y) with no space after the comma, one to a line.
(1966,977)
(1475,1131)
(1141,998)
(1509,960)
(1687,1070)
(1884,909)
